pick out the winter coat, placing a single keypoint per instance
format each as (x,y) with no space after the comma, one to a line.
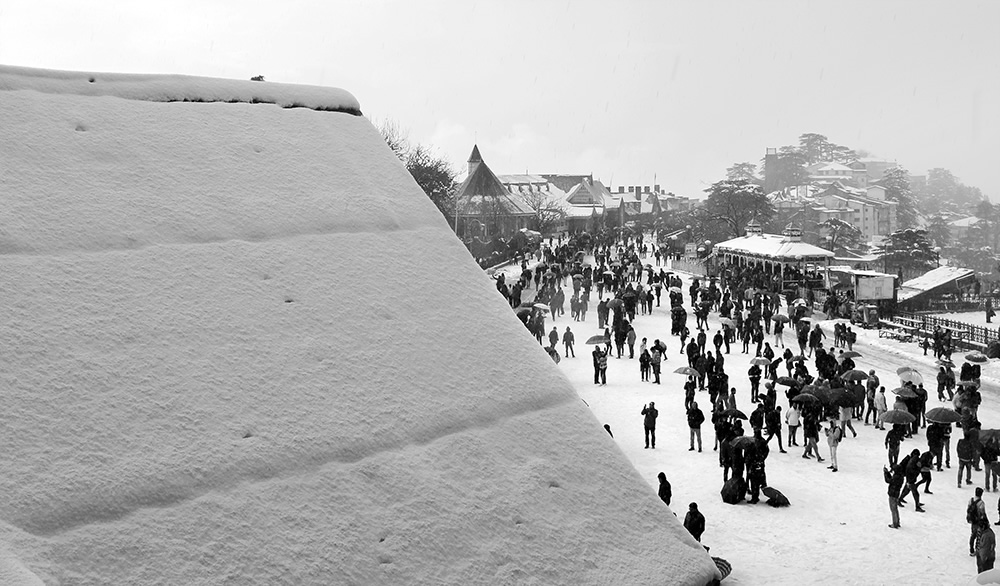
(792,417)
(880,402)
(665,493)
(655,357)
(773,421)
(695,418)
(833,436)
(650,417)
(694,522)
(986,546)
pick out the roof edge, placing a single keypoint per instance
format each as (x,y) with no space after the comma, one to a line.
(177,88)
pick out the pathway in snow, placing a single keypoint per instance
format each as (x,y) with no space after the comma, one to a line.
(836,530)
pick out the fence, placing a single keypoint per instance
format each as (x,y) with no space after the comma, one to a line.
(695,267)
(980,336)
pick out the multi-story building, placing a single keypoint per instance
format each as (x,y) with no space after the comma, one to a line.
(868,210)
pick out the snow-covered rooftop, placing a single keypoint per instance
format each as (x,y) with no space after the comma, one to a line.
(241,346)
(932,280)
(772,246)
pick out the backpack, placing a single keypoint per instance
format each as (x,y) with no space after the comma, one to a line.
(971,512)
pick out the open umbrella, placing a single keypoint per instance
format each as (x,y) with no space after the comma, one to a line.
(787,381)
(522,311)
(943,362)
(903,369)
(615,303)
(841,398)
(687,370)
(943,415)
(598,340)
(799,301)
(967,383)
(675,289)
(911,376)
(858,392)
(977,357)
(734,413)
(727,322)
(905,392)
(541,306)
(798,358)
(782,318)
(854,375)
(554,354)
(742,441)
(725,568)
(850,354)
(895,416)
(805,398)
(760,361)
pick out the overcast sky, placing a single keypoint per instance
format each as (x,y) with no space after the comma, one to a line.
(625,90)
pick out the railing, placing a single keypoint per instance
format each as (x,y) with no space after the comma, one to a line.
(695,267)
(971,336)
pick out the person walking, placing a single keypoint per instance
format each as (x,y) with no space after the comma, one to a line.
(695,417)
(966,452)
(772,422)
(810,432)
(694,522)
(911,466)
(833,436)
(655,358)
(845,421)
(664,492)
(553,338)
(986,545)
(630,340)
(892,441)
(568,338)
(975,516)
(649,424)
(880,408)
(895,486)
(793,419)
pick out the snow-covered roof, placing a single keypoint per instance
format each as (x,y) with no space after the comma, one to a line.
(932,279)
(772,246)
(177,88)
(242,346)
(965,222)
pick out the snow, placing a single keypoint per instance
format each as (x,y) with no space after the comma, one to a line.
(835,531)
(176,88)
(772,246)
(240,346)
(930,280)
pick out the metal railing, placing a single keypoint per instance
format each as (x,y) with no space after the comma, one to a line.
(979,336)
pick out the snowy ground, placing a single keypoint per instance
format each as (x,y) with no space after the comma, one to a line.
(976,318)
(836,530)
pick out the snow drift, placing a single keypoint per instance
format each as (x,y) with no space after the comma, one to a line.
(240,345)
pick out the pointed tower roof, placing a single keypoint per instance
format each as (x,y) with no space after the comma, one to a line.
(475,157)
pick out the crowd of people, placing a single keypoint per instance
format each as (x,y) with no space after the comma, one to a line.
(826,394)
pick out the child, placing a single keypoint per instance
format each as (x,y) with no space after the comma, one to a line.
(644,360)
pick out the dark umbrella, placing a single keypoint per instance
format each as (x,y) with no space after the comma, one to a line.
(798,358)
(554,354)
(598,340)
(522,311)
(734,413)
(905,392)
(895,416)
(805,398)
(742,441)
(943,362)
(615,303)
(943,415)
(841,398)
(787,381)
(858,393)
(851,354)
(782,318)
(854,375)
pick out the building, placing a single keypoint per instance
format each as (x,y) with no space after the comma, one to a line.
(868,210)
(484,207)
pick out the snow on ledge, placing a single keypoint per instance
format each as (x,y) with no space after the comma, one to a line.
(177,88)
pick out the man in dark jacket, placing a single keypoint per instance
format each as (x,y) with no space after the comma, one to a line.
(986,548)
(911,467)
(895,486)
(665,493)
(757,418)
(695,418)
(649,424)
(694,522)
(772,422)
